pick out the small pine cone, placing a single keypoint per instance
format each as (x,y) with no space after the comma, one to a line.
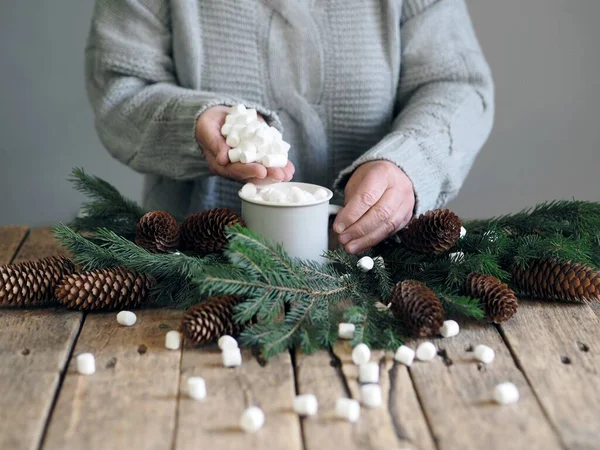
(550,279)
(417,307)
(104,289)
(157,232)
(32,283)
(433,232)
(204,232)
(497,299)
(208,321)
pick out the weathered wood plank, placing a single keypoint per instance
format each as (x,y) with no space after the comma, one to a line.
(558,348)
(10,239)
(214,422)
(130,402)
(34,347)
(399,422)
(456,394)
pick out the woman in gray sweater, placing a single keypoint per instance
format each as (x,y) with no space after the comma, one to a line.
(388,101)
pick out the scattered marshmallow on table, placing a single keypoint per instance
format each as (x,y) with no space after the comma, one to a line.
(126,318)
(232,357)
(197,388)
(484,354)
(227,342)
(252,419)
(457,257)
(346,330)
(365,263)
(173,340)
(371,395)
(405,355)
(306,405)
(506,394)
(450,328)
(426,351)
(361,354)
(347,408)
(368,373)
(86,364)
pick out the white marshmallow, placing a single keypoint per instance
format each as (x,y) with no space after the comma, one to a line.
(449,328)
(233,139)
(306,405)
(280,147)
(248,132)
(463,232)
(484,354)
(234,155)
(126,318)
(506,393)
(321,194)
(275,133)
(405,355)
(252,114)
(249,189)
(226,129)
(295,195)
(426,351)
(262,149)
(237,109)
(232,357)
(173,340)
(86,364)
(365,263)
(230,119)
(457,257)
(196,388)
(263,136)
(308,197)
(274,160)
(248,157)
(252,419)
(244,119)
(371,395)
(347,408)
(275,196)
(346,330)
(361,354)
(368,373)
(227,342)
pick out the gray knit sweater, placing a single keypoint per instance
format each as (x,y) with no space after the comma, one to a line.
(349,81)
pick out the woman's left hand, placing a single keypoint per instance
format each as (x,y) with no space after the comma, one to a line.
(379,201)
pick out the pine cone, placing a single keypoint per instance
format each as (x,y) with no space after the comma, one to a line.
(433,232)
(157,232)
(204,232)
(32,283)
(497,299)
(417,307)
(208,321)
(551,279)
(104,289)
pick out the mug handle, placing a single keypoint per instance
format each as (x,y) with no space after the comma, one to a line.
(334,209)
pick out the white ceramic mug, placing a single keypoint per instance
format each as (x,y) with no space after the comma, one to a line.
(301,229)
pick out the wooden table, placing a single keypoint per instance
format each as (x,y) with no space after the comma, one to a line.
(137,398)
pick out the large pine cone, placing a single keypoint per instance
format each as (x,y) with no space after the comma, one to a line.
(157,232)
(497,299)
(551,279)
(208,321)
(32,283)
(104,289)
(433,232)
(417,307)
(204,232)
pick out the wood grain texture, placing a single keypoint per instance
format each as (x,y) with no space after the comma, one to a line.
(34,348)
(399,422)
(456,394)
(10,239)
(558,347)
(130,402)
(214,422)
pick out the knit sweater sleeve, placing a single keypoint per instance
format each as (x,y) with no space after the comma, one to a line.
(445,102)
(143,117)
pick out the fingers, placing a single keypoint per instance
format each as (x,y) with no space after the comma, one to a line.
(221,150)
(276,173)
(368,193)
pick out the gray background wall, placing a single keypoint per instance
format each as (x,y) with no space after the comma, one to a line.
(545,144)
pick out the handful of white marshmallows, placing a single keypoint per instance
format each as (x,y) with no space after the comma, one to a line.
(252,140)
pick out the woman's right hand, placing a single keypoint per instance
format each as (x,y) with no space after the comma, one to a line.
(215,149)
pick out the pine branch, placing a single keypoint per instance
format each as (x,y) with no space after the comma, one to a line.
(456,305)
